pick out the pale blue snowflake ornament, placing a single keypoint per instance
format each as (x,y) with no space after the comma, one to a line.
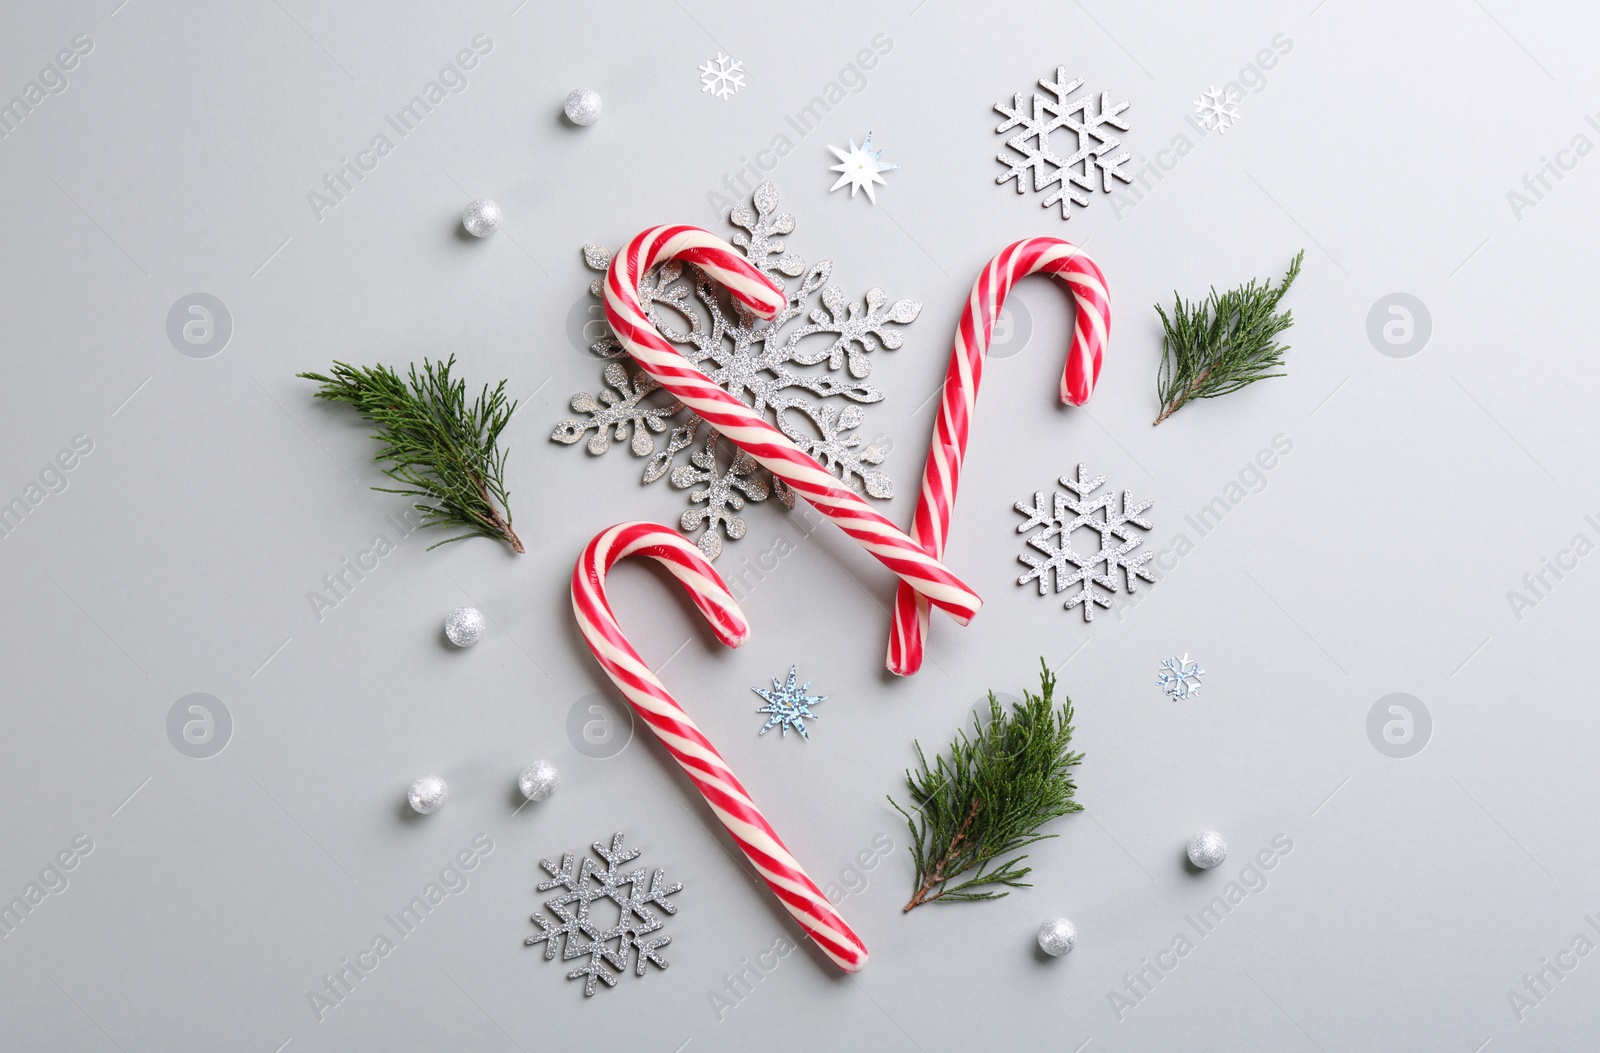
(1179,677)
(788,704)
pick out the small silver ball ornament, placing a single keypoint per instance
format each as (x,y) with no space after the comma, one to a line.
(428,794)
(1057,936)
(1207,849)
(465,626)
(482,218)
(583,106)
(538,781)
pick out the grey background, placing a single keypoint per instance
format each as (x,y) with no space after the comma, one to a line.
(1376,560)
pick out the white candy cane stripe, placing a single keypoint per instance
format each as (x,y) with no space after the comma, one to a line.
(942,474)
(688,746)
(743,426)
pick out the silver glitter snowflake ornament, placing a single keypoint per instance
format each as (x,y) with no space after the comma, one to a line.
(1217,110)
(1092,148)
(813,391)
(584,933)
(1179,677)
(1052,546)
(788,704)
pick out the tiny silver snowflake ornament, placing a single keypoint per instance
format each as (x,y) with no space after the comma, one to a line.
(1092,148)
(812,391)
(789,705)
(617,412)
(1179,677)
(1207,850)
(1052,556)
(1217,109)
(585,932)
(860,166)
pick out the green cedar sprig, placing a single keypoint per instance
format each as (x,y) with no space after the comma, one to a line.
(439,447)
(989,797)
(1222,343)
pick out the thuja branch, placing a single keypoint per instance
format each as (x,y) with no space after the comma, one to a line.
(1223,342)
(439,447)
(989,796)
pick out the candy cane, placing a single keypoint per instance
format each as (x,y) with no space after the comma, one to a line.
(743,426)
(942,475)
(688,746)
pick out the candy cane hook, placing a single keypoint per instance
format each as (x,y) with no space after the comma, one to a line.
(744,427)
(688,746)
(942,475)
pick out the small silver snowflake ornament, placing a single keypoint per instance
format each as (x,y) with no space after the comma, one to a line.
(789,705)
(583,932)
(1179,677)
(860,166)
(1092,147)
(812,391)
(1217,109)
(724,493)
(1052,552)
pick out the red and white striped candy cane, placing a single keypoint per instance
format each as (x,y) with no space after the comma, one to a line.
(688,746)
(942,475)
(746,428)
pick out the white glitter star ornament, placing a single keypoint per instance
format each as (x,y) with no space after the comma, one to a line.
(1179,677)
(860,165)
(788,704)
(722,76)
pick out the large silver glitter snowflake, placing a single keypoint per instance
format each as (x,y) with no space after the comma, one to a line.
(722,76)
(1092,147)
(610,942)
(812,391)
(1052,548)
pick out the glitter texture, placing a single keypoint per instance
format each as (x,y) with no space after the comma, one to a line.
(1057,936)
(539,780)
(1086,120)
(1207,849)
(481,218)
(722,76)
(789,705)
(581,933)
(428,794)
(860,166)
(465,626)
(583,106)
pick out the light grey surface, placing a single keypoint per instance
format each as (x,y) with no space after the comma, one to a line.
(1377,558)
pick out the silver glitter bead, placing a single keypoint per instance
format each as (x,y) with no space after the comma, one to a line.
(428,794)
(538,780)
(583,106)
(1057,936)
(465,626)
(481,218)
(1207,849)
